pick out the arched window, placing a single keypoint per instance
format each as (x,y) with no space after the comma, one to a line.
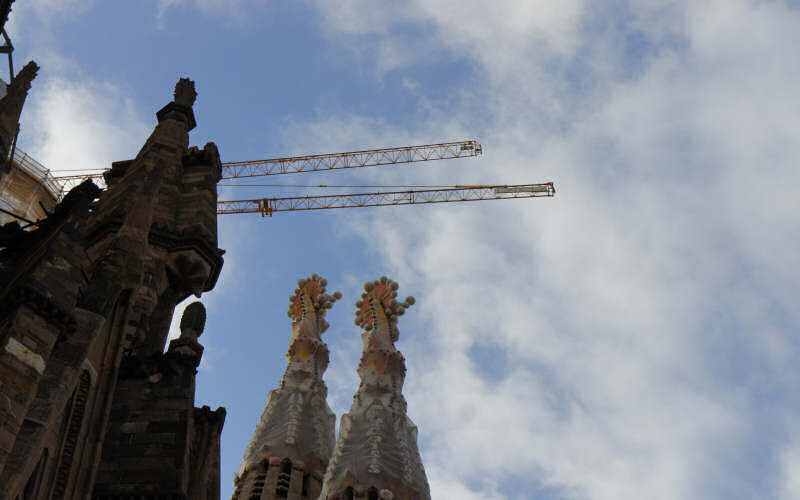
(71,437)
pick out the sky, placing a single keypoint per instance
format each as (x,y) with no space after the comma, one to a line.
(636,336)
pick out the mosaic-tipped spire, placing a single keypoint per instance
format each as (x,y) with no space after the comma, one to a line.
(295,435)
(376,454)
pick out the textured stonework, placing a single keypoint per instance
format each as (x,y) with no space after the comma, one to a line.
(291,444)
(158,443)
(376,454)
(86,301)
(41,275)
(11,108)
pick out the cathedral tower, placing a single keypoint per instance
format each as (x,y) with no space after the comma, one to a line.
(294,438)
(376,455)
(90,404)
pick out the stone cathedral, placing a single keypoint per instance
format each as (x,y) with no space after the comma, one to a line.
(91,404)
(94,404)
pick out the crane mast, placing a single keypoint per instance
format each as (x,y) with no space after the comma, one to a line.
(267,206)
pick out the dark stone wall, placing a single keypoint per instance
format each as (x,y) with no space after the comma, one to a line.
(157,442)
(86,300)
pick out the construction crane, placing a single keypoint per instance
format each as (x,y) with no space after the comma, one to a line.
(330,161)
(356,159)
(267,206)
(352,159)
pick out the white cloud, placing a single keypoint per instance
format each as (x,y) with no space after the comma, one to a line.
(64,117)
(618,340)
(48,11)
(790,471)
(499,36)
(230,10)
(30,24)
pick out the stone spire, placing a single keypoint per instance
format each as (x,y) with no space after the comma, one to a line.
(376,455)
(11,107)
(293,440)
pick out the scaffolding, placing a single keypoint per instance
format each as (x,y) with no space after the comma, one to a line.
(28,189)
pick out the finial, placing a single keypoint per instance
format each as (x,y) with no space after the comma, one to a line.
(193,321)
(25,76)
(381,293)
(181,106)
(310,292)
(185,93)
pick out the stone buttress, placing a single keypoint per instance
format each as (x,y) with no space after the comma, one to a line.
(376,455)
(294,438)
(158,445)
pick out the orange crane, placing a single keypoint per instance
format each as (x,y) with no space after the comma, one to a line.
(356,159)
(267,206)
(330,161)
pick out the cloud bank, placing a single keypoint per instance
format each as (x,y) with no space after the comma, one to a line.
(636,335)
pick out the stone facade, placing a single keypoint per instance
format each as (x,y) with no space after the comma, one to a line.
(157,443)
(90,404)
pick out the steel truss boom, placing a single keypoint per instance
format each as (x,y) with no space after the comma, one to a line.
(352,159)
(332,161)
(267,206)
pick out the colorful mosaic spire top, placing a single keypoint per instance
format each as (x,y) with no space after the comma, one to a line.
(297,424)
(376,454)
(377,313)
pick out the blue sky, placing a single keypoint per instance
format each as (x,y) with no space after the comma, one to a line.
(636,336)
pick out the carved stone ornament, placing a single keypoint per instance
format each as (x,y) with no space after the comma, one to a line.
(22,81)
(193,321)
(185,93)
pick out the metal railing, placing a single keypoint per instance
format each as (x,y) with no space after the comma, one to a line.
(38,171)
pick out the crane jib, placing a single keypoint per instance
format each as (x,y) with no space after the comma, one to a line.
(267,206)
